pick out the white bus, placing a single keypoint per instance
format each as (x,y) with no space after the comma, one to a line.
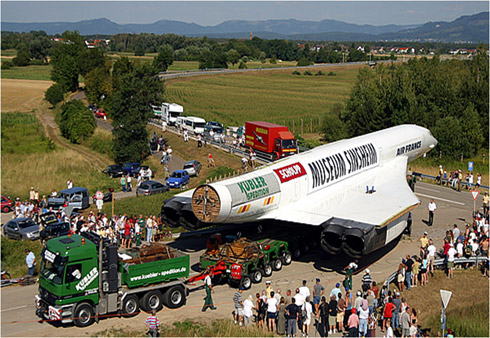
(170,112)
(193,124)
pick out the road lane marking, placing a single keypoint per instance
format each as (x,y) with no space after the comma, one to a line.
(429,189)
(438,198)
(16,308)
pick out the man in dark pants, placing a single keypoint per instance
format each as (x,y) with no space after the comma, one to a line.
(432,208)
(31,262)
(208,301)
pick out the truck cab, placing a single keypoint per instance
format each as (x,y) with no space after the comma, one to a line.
(82,277)
(269,140)
(285,144)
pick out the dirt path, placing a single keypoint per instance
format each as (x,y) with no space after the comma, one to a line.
(52,131)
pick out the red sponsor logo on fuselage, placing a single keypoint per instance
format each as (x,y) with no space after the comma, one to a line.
(290,172)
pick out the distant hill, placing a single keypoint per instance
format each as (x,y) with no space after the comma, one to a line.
(472,28)
(468,28)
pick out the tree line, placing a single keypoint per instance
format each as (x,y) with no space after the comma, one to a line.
(35,47)
(451,98)
(125,89)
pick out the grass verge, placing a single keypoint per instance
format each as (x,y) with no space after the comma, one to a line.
(469,289)
(467,321)
(430,165)
(14,256)
(145,205)
(189,151)
(29,158)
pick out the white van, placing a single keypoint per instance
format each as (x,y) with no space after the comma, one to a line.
(195,124)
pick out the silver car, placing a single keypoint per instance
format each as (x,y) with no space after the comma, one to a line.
(192,167)
(21,228)
(151,187)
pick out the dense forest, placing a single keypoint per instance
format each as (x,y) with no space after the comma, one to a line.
(451,98)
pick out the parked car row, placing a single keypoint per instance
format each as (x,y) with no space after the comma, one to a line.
(25,228)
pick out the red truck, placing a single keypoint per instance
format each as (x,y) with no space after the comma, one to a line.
(269,140)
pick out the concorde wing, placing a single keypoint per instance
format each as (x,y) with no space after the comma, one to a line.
(347,200)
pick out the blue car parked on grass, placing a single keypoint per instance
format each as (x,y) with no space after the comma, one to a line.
(131,168)
(178,179)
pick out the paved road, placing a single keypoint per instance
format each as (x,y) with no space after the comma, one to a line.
(452,207)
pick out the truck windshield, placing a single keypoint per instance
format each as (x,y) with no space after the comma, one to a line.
(199,124)
(52,271)
(52,267)
(174,114)
(288,144)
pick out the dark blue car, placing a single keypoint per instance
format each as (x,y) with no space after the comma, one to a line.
(178,179)
(131,168)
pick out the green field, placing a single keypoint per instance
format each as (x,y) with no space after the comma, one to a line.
(29,158)
(8,52)
(275,96)
(28,73)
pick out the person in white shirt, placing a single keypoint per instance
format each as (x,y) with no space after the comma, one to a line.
(456,232)
(69,183)
(431,249)
(451,253)
(459,248)
(309,310)
(248,305)
(432,208)
(389,329)
(299,299)
(272,308)
(304,290)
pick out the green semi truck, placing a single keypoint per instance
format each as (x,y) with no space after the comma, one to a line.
(83,278)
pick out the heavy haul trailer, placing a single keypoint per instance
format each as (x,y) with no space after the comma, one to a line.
(85,277)
(269,140)
(244,261)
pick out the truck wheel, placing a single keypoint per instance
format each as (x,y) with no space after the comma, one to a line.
(296,253)
(131,307)
(257,276)
(277,264)
(287,258)
(246,282)
(217,279)
(152,300)
(174,297)
(84,315)
(267,270)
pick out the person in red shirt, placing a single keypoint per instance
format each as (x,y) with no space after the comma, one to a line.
(388,312)
(127,235)
(353,324)
(375,290)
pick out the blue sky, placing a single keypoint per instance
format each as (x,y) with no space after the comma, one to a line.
(214,12)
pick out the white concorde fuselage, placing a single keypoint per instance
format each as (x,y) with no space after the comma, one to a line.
(263,193)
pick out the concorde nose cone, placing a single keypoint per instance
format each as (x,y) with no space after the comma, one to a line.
(432,142)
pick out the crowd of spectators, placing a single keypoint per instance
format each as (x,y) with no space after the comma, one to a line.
(296,311)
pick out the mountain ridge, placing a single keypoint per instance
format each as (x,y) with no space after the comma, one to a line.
(467,28)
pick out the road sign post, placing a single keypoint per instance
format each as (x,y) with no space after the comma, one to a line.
(474,194)
(100,204)
(445,297)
